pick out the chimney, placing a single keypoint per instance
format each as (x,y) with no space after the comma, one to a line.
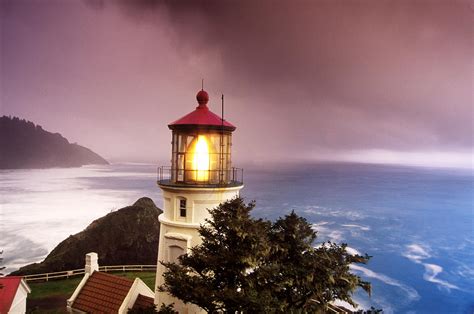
(91,263)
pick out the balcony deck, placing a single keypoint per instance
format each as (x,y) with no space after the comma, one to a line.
(169,183)
(232,178)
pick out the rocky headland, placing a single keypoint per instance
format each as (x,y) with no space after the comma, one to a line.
(25,145)
(128,236)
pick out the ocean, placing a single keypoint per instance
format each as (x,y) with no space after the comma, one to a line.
(416,223)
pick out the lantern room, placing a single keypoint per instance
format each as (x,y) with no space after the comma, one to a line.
(201,149)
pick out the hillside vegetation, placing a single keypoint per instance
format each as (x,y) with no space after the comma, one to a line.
(25,145)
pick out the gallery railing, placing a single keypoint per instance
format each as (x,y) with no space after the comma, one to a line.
(170,176)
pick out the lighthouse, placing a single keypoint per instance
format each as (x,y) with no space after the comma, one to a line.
(200,178)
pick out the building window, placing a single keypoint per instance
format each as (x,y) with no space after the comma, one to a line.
(182,208)
(175,252)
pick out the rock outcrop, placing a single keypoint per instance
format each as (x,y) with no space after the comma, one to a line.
(128,236)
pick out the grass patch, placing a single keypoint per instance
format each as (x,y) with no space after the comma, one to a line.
(40,290)
(147,277)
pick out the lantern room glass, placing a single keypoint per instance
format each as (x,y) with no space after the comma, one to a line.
(201,157)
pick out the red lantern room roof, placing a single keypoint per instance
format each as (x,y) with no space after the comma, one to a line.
(202,117)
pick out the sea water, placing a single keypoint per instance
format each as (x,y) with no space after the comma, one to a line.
(417,223)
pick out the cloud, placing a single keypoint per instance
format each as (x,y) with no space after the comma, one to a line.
(303,79)
(381,63)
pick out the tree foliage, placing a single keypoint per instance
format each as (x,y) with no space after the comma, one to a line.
(254,266)
(164,309)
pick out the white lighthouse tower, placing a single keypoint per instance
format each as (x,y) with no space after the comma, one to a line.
(200,178)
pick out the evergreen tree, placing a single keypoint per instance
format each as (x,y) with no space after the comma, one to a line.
(304,277)
(253,266)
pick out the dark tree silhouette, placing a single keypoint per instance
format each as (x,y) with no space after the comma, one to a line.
(254,266)
(26,145)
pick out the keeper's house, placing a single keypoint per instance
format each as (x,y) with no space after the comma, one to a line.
(105,293)
(13,293)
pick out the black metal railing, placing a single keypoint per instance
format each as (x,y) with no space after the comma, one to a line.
(170,176)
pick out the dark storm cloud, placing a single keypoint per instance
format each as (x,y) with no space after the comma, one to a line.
(299,76)
(407,63)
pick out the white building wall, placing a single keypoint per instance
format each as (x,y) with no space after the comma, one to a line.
(19,302)
(182,232)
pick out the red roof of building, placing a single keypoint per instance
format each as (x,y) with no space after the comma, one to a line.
(102,293)
(142,302)
(202,116)
(8,291)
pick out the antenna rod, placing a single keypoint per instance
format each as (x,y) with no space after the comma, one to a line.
(221,150)
(202,84)
(222,109)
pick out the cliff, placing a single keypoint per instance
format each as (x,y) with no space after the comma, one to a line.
(127,236)
(26,145)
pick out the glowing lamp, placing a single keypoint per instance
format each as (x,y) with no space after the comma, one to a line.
(201,147)
(199,152)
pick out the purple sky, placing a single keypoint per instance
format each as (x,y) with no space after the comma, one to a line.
(346,80)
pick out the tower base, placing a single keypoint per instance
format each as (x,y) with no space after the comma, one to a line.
(185,209)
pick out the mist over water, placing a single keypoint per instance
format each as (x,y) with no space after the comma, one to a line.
(42,207)
(417,223)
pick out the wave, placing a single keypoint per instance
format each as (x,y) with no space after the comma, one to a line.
(417,253)
(352,251)
(411,293)
(465,271)
(19,251)
(132,163)
(364,228)
(431,271)
(321,223)
(364,305)
(350,214)
(328,234)
(335,236)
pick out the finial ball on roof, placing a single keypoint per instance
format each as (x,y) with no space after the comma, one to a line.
(202,97)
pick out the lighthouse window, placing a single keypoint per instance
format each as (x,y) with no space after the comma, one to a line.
(182,207)
(175,252)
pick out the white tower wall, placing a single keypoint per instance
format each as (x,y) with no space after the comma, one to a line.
(178,234)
